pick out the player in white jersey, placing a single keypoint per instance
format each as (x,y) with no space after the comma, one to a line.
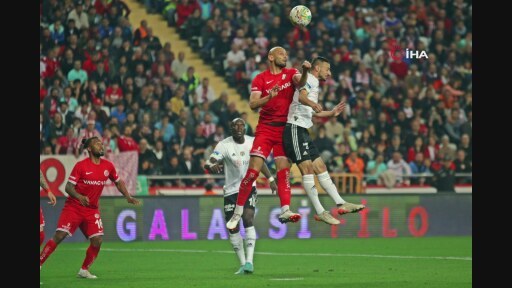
(232,156)
(301,150)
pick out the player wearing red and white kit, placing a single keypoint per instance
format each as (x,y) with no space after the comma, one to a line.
(53,200)
(84,187)
(272,91)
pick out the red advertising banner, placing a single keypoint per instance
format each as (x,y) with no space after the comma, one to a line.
(56,169)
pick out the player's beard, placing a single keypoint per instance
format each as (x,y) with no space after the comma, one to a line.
(280,65)
(98,154)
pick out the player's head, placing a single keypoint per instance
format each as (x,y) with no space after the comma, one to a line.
(321,67)
(94,146)
(278,56)
(237,128)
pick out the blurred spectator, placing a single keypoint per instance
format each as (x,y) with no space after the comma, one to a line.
(323,143)
(415,149)
(125,141)
(418,166)
(218,135)
(182,138)
(463,165)
(205,91)
(355,165)
(374,169)
(220,105)
(447,148)
(444,178)
(465,144)
(66,144)
(395,146)
(199,142)
(399,168)
(88,132)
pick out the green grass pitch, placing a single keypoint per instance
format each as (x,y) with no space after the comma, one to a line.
(373,262)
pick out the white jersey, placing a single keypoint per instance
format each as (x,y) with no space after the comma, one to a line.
(300,114)
(236,161)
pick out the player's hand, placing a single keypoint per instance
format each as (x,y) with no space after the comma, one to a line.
(132,200)
(338,108)
(84,200)
(273,186)
(317,108)
(273,91)
(53,199)
(215,168)
(306,65)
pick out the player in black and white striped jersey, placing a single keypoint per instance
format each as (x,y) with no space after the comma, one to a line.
(232,155)
(300,148)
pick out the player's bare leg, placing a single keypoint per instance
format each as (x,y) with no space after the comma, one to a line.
(255,164)
(51,245)
(308,181)
(284,190)
(326,182)
(90,256)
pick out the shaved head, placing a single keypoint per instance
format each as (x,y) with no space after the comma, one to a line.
(278,56)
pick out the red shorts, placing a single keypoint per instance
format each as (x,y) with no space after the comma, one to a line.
(268,138)
(41,219)
(73,216)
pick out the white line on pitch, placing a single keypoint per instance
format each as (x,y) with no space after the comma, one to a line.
(284,254)
(286,279)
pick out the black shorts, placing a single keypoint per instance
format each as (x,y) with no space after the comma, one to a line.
(230,203)
(298,146)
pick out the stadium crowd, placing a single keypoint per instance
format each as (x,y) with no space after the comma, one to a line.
(102,75)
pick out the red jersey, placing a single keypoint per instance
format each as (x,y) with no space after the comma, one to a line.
(89,180)
(127,144)
(276,110)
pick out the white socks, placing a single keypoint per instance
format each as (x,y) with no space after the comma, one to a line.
(325,181)
(308,181)
(284,208)
(250,240)
(238,245)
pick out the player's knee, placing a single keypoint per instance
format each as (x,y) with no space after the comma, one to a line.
(306,167)
(319,166)
(96,241)
(248,222)
(59,236)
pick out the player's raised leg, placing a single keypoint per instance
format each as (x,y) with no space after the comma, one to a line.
(255,164)
(326,182)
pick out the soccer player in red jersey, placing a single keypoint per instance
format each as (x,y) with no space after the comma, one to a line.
(272,91)
(84,187)
(53,200)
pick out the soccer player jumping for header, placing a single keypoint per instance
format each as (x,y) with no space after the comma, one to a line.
(300,148)
(85,184)
(272,91)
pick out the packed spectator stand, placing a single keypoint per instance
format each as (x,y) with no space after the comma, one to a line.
(102,75)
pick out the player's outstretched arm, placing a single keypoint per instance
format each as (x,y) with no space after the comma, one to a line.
(334,112)
(301,81)
(271,179)
(304,100)
(70,189)
(121,186)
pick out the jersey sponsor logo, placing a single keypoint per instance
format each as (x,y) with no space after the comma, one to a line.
(95,182)
(284,86)
(229,207)
(105,173)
